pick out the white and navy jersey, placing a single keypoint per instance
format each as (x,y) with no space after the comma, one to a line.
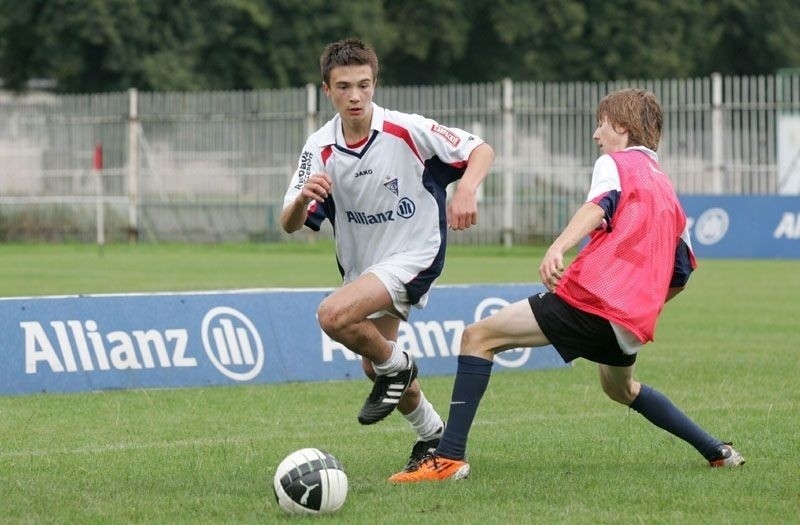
(387,200)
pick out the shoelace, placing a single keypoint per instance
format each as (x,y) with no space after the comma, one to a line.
(431,457)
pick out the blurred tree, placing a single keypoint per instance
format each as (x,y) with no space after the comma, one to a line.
(101,45)
(432,36)
(297,42)
(752,37)
(18,44)
(164,45)
(537,40)
(111,45)
(645,39)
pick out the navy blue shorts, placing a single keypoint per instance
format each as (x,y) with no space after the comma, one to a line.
(575,333)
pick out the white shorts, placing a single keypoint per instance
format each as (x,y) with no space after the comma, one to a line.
(387,272)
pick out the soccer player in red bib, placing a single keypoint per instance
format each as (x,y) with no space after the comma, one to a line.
(380,178)
(605,305)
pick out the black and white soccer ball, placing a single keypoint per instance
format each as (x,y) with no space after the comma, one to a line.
(310,481)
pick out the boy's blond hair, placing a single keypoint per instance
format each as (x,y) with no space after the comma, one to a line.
(637,111)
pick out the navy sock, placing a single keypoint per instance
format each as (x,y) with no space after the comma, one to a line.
(660,411)
(471,381)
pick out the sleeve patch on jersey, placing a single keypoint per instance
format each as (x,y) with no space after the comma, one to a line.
(304,169)
(448,135)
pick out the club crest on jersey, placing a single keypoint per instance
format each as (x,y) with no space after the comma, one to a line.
(448,135)
(392,186)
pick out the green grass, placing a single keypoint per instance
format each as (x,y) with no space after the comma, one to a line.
(82,269)
(547,446)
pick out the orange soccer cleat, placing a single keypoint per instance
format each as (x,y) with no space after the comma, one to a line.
(433,468)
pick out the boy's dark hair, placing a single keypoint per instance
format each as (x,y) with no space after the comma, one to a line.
(636,110)
(347,52)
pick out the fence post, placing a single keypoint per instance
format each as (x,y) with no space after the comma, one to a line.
(716,133)
(311,109)
(133,166)
(508,165)
(97,170)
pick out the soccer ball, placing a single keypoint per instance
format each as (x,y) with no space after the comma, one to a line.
(310,481)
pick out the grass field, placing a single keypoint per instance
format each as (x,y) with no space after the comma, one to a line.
(547,446)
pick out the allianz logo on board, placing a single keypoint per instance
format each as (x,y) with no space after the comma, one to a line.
(230,340)
(431,339)
(788,227)
(712,226)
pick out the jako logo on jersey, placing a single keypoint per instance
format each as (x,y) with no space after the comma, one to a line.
(448,135)
(362,173)
(232,343)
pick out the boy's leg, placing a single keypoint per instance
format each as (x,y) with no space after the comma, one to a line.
(512,327)
(343,315)
(619,385)
(415,408)
(423,418)
(428,425)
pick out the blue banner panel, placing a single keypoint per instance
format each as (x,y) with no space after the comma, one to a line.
(744,226)
(100,342)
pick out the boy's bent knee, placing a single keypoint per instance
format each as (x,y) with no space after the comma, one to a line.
(477,342)
(623,394)
(470,340)
(331,319)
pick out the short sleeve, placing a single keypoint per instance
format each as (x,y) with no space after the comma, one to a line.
(605,178)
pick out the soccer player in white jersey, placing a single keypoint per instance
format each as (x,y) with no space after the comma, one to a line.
(604,307)
(380,176)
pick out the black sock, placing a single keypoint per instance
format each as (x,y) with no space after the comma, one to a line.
(660,411)
(471,381)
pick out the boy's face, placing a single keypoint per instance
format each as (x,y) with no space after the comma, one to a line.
(350,89)
(610,138)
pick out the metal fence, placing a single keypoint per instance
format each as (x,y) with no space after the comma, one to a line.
(213,167)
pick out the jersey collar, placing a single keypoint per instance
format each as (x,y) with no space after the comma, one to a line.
(650,153)
(334,135)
